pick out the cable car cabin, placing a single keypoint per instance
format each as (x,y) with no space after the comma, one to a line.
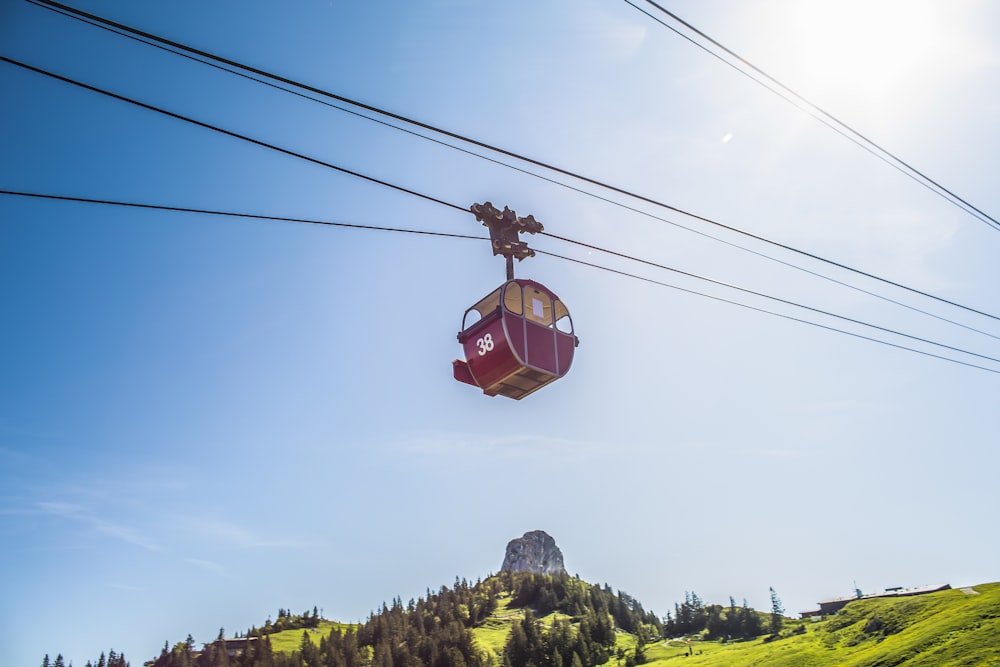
(516,340)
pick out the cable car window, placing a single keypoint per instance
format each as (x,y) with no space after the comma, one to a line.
(563,322)
(538,306)
(512,298)
(490,303)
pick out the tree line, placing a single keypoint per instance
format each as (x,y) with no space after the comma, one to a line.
(436,630)
(112,659)
(586,637)
(433,631)
(693,616)
(286,621)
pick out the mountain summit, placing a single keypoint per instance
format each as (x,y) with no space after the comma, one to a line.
(535,552)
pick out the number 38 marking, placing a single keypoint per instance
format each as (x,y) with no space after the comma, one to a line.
(485,344)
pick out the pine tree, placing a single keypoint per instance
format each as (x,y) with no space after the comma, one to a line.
(715,625)
(264,656)
(308,651)
(776,613)
(749,622)
(640,653)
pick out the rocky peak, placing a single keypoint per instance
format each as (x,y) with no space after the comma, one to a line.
(536,552)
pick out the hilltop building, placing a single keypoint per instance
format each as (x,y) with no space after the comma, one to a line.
(835,605)
(236,647)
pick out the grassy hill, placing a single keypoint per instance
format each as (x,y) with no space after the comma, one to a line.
(945,628)
(288,641)
(953,627)
(490,636)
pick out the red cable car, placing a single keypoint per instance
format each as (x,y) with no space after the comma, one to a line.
(516,340)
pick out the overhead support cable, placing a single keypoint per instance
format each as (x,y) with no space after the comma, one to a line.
(230,133)
(767,312)
(161,207)
(765,296)
(775,86)
(236,214)
(260,76)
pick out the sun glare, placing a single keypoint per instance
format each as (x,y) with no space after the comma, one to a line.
(867,46)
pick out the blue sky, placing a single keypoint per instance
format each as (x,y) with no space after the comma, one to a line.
(204,419)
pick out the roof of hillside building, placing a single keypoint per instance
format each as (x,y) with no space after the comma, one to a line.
(832,605)
(896,591)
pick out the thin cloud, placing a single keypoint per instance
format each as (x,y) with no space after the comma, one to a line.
(126,587)
(515,445)
(82,515)
(228,534)
(18,511)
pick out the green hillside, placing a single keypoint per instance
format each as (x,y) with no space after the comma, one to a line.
(289,641)
(490,635)
(520,620)
(945,628)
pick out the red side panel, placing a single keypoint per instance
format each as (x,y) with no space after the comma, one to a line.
(489,355)
(565,345)
(541,347)
(514,325)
